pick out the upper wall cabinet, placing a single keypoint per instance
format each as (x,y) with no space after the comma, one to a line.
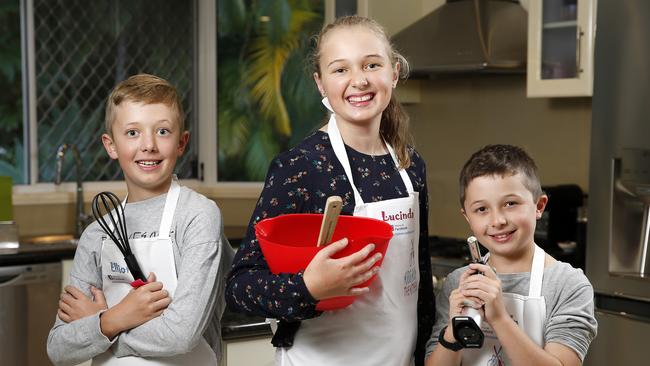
(561,47)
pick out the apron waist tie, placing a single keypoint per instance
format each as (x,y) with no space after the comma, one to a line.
(285,333)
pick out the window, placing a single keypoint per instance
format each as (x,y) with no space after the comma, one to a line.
(244,80)
(80,51)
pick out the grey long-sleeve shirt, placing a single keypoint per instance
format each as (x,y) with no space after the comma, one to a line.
(203,256)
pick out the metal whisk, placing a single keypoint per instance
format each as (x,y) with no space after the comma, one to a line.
(112,208)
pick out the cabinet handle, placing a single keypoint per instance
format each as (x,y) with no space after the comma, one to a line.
(10,275)
(579,35)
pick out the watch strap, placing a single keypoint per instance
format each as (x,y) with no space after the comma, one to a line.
(455,346)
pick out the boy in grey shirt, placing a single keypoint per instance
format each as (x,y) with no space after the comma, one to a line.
(174,322)
(534,309)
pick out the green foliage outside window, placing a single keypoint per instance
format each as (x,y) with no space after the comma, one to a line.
(267,100)
(82,51)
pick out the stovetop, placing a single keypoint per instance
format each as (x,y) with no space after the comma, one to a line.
(449,248)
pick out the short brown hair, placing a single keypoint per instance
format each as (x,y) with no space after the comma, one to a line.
(147,89)
(500,160)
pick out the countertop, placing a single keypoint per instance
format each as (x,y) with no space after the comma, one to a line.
(234,325)
(36,253)
(446,253)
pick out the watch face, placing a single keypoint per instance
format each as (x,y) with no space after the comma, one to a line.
(467,332)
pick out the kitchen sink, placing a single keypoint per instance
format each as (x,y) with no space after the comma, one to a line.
(50,239)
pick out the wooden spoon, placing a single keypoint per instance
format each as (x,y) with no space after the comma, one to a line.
(330,218)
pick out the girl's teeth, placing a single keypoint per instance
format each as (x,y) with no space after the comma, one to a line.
(362,98)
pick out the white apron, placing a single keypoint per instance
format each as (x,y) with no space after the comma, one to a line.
(154,254)
(380,327)
(529,312)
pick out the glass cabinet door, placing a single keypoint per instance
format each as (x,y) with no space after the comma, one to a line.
(560,47)
(560,38)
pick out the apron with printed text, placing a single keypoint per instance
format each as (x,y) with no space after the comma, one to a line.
(380,327)
(529,312)
(154,254)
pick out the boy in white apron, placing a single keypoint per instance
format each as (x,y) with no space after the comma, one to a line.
(535,310)
(176,235)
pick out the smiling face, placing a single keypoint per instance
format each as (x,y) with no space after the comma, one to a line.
(502,214)
(356,74)
(146,140)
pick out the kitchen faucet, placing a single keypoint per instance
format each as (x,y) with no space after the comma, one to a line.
(81,219)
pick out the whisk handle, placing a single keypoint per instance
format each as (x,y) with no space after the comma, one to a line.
(137,283)
(132,263)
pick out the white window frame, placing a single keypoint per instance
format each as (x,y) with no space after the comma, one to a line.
(36,193)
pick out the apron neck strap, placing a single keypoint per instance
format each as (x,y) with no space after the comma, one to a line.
(170,207)
(339,150)
(168,212)
(537,273)
(341,155)
(402,171)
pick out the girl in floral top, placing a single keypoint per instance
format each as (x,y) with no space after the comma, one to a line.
(362,156)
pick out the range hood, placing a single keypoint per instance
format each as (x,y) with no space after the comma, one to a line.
(487,36)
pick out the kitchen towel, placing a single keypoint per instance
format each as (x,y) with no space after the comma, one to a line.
(5,199)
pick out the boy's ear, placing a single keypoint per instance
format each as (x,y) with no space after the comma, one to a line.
(109,146)
(540,206)
(182,142)
(462,211)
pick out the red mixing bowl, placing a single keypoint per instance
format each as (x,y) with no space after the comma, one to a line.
(289,244)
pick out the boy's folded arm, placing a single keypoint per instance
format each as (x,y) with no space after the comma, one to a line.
(180,327)
(76,342)
(80,340)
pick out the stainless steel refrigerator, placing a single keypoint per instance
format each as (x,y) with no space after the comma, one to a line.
(618,253)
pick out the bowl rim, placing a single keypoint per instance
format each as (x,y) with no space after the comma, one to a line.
(389,235)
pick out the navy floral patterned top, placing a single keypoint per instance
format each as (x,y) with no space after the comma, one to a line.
(299,181)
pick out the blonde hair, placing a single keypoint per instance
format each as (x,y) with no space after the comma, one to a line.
(147,89)
(394,126)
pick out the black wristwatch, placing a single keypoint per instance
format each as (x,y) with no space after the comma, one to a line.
(451,346)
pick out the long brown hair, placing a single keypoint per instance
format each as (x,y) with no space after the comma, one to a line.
(394,126)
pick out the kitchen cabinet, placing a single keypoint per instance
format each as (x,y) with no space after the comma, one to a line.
(250,351)
(621,340)
(560,47)
(66,266)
